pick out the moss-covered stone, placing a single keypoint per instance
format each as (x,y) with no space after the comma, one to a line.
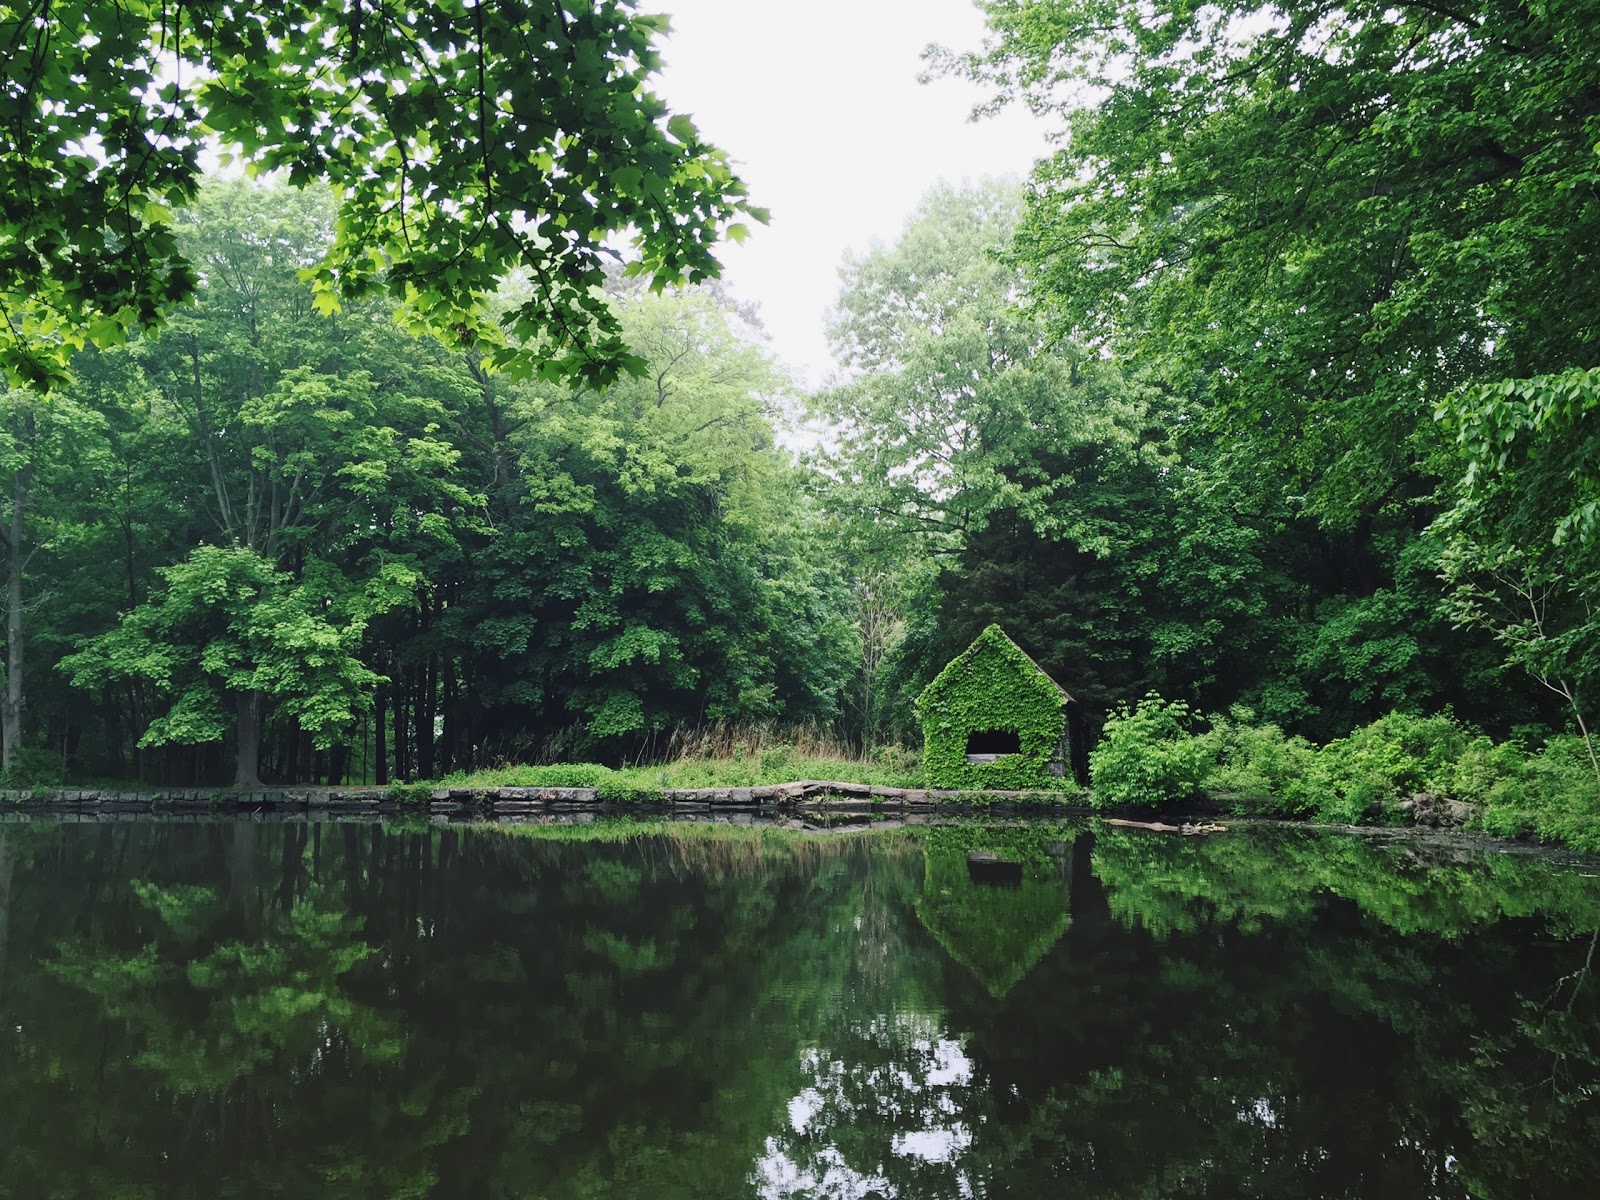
(993,687)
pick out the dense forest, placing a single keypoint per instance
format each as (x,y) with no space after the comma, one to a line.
(1271,390)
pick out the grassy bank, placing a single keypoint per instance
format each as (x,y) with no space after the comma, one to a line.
(888,767)
(1159,753)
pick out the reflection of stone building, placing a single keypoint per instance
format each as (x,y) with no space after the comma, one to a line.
(998,926)
(993,719)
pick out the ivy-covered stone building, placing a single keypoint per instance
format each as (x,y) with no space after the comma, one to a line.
(993,720)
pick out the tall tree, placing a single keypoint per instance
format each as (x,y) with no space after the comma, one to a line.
(226,635)
(949,389)
(1049,483)
(1337,213)
(42,445)
(653,565)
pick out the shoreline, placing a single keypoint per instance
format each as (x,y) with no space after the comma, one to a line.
(831,796)
(801,805)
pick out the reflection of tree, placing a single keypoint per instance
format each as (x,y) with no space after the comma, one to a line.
(1533,1092)
(632,1011)
(1170,885)
(6,867)
(1248,1017)
(183,1035)
(359,1011)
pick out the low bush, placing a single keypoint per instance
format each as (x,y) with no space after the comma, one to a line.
(1551,794)
(1148,756)
(1257,769)
(1159,752)
(1364,775)
(33,767)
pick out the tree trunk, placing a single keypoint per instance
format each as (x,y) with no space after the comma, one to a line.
(447,746)
(11,702)
(422,711)
(380,752)
(248,772)
(336,760)
(402,751)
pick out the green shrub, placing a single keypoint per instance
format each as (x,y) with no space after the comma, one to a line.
(901,759)
(617,790)
(1258,769)
(1399,754)
(1488,772)
(1147,755)
(775,761)
(1552,795)
(33,767)
(409,793)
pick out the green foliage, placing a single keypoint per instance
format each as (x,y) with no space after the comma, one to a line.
(1394,757)
(467,143)
(1521,554)
(227,624)
(997,933)
(1255,768)
(618,789)
(992,685)
(409,795)
(1330,211)
(1548,794)
(1156,753)
(953,394)
(1147,755)
(32,766)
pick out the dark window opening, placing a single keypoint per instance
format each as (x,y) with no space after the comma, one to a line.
(986,868)
(994,741)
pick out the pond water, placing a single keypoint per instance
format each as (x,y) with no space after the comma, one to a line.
(347,1010)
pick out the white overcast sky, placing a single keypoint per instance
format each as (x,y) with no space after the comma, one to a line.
(819,107)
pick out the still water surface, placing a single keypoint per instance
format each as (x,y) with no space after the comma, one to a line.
(244,1010)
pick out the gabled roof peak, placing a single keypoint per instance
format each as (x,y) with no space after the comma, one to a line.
(992,638)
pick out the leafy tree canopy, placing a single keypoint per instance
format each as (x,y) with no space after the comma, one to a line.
(466,143)
(1339,212)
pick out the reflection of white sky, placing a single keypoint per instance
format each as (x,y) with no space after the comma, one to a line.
(777,1175)
(930,1066)
(1260,1112)
(933,1145)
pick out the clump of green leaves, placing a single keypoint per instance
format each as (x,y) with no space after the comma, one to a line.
(1257,768)
(409,794)
(1148,755)
(544,197)
(1160,752)
(1399,754)
(1548,793)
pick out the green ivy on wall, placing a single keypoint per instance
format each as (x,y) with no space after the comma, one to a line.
(992,685)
